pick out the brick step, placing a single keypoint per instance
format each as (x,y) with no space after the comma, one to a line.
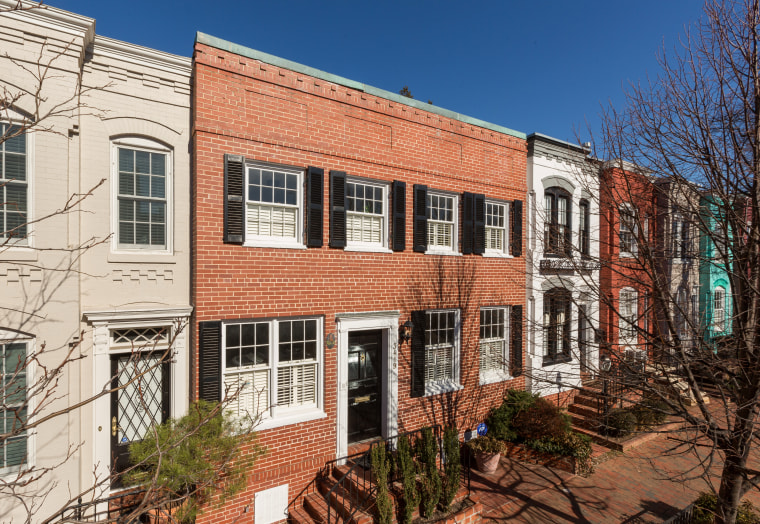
(583,411)
(315,507)
(578,421)
(299,515)
(358,481)
(587,400)
(343,504)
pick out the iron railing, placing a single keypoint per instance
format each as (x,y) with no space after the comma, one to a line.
(685,516)
(355,488)
(126,507)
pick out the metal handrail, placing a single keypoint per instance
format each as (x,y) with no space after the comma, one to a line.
(125,507)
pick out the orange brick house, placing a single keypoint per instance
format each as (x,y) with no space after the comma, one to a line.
(358,264)
(627,230)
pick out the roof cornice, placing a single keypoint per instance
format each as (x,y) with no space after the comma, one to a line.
(139,55)
(218,43)
(51,17)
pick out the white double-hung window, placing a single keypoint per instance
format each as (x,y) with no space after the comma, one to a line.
(628,312)
(719,309)
(629,244)
(441,222)
(441,350)
(497,225)
(14,367)
(272,368)
(366,214)
(273,205)
(14,185)
(494,353)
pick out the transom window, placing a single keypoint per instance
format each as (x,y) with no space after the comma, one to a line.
(628,231)
(140,336)
(273,203)
(557,231)
(441,349)
(556,326)
(441,221)
(494,333)
(273,365)
(13,184)
(629,312)
(719,309)
(13,411)
(366,222)
(496,227)
(142,199)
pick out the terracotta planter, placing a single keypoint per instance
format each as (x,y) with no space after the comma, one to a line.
(487,462)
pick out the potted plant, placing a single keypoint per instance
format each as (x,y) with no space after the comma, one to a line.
(487,452)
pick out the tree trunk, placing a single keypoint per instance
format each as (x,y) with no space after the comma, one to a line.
(730,492)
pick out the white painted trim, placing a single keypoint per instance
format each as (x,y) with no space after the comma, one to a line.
(454,249)
(31,439)
(387,321)
(52,17)
(382,246)
(143,56)
(455,384)
(137,315)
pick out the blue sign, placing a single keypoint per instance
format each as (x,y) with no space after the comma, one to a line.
(124,439)
(482,429)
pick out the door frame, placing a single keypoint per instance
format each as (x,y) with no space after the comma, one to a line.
(387,323)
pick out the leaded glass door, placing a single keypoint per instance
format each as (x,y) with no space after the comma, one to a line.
(140,399)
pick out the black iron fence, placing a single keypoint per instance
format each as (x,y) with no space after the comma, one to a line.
(685,516)
(126,507)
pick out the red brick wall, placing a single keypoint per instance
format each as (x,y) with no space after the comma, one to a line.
(620,186)
(242,106)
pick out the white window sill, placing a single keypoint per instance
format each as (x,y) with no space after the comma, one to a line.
(446,252)
(368,249)
(273,244)
(444,387)
(626,254)
(493,377)
(496,254)
(18,253)
(290,418)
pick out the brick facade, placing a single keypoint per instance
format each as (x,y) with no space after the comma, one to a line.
(268,112)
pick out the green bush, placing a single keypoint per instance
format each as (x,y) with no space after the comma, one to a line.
(620,422)
(499,421)
(486,445)
(570,444)
(185,458)
(452,469)
(380,469)
(650,412)
(406,468)
(427,454)
(707,504)
(542,419)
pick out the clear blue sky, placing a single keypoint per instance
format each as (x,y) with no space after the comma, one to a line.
(534,66)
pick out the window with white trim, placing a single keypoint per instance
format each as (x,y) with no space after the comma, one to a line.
(14,185)
(556,328)
(441,350)
(142,197)
(494,348)
(273,366)
(441,221)
(628,231)
(497,226)
(366,214)
(719,309)
(273,205)
(13,411)
(628,313)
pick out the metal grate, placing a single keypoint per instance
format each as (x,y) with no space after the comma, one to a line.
(148,335)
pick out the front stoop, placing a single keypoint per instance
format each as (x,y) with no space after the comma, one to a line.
(314,508)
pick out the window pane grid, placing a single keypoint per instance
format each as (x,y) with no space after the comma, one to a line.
(628,317)
(556,327)
(439,347)
(13,183)
(719,309)
(493,356)
(440,215)
(272,203)
(142,198)
(495,226)
(628,242)
(13,411)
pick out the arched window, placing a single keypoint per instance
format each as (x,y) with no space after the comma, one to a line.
(556,326)
(628,312)
(557,223)
(719,309)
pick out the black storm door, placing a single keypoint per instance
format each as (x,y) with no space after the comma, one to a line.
(364,384)
(140,399)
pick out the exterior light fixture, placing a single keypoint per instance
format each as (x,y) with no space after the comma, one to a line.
(405,331)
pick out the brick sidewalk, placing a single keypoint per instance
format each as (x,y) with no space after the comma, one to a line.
(640,486)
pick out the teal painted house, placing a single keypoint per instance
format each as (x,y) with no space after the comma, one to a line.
(715,301)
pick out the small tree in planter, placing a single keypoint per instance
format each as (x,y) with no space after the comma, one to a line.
(487,452)
(188,459)
(408,472)
(452,469)
(427,453)
(381,466)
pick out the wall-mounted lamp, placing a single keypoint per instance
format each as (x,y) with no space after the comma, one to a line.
(606,363)
(405,331)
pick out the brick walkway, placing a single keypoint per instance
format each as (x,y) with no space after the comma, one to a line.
(640,486)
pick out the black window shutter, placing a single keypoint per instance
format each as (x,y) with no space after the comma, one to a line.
(479,225)
(399,215)
(419,318)
(315,177)
(516,353)
(517,228)
(337,209)
(210,361)
(468,222)
(420,218)
(233,199)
